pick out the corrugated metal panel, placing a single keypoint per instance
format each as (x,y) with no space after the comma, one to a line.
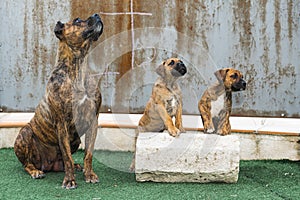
(260,38)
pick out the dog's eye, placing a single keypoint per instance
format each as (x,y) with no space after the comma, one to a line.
(171,63)
(77,20)
(234,76)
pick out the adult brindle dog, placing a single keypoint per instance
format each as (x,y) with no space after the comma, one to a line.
(69,109)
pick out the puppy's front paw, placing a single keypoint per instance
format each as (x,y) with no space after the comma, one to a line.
(173,131)
(209,130)
(182,130)
(223,133)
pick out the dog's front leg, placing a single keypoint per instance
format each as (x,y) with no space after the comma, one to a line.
(64,145)
(224,127)
(205,112)
(90,137)
(173,131)
(178,119)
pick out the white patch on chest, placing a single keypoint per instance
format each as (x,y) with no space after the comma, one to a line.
(173,102)
(218,105)
(171,106)
(82,100)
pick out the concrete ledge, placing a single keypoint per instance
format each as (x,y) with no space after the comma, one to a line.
(257,125)
(192,157)
(260,138)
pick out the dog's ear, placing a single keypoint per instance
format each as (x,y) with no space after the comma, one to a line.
(58,30)
(160,70)
(221,74)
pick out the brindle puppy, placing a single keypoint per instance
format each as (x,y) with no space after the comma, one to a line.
(69,109)
(165,102)
(216,102)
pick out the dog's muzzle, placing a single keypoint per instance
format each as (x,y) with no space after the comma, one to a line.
(95,27)
(239,86)
(179,70)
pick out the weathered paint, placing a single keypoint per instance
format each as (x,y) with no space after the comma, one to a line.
(260,38)
(27,50)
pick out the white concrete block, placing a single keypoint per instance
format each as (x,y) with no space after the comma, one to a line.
(113,139)
(8,136)
(192,157)
(269,147)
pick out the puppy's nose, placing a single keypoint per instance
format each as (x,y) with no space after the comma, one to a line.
(181,68)
(244,84)
(180,64)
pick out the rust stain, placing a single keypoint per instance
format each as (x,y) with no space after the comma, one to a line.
(113,24)
(205,24)
(265,39)
(241,11)
(180,16)
(290,20)
(277,29)
(33,56)
(25,31)
(187,18)
(36,39)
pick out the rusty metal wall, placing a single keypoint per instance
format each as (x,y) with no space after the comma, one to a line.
(260,38)
(27,50)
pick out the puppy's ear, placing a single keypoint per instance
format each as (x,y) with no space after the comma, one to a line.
(221,74)
(160,70)
(58,30)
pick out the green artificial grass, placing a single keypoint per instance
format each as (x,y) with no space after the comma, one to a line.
(257,180)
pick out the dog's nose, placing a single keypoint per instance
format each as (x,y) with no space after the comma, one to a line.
(96,15)
(180,64)
(244,84)
(181,68)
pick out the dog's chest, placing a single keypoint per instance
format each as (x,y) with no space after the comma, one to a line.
(171,105)
(218,105)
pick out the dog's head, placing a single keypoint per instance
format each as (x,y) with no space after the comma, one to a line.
(77,33)
(232,79)
(171,68)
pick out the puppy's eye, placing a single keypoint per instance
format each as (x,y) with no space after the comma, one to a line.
(171,63)
(234,76)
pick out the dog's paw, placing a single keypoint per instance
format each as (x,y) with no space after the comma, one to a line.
(37,174)
(69,183)
(210,130)
(223,133)
(182,130)
(173,131)
(91,177)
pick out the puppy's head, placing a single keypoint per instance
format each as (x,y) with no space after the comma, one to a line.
(77,33)
(232,79)
(171,68)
